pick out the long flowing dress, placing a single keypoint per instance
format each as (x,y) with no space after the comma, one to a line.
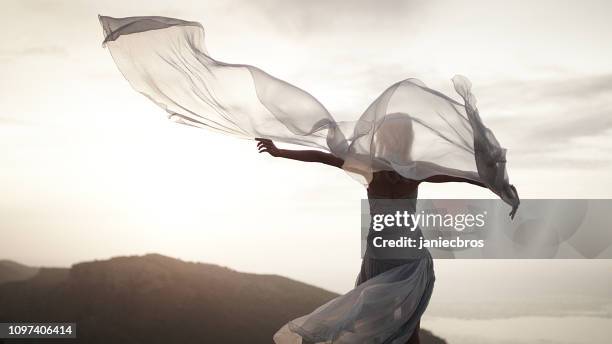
(386,305)
(411,129)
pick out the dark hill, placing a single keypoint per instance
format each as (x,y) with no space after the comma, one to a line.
(11,271)
(156,299)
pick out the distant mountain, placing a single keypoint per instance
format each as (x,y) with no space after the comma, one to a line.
(11,271)
(157,299)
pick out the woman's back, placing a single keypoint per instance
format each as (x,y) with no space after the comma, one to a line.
(391,185)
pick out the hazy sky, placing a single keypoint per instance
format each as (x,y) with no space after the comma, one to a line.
(91,169)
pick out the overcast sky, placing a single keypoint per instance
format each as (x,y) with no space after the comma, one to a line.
(91,169)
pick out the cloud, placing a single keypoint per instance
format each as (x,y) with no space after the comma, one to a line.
(8,121)
(317,16)
(43,50)
(552,121)
(572,107)
(34,52)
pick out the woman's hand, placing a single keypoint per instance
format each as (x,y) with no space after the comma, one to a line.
(266,145)
(515,200)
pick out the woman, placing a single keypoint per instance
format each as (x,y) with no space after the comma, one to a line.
(383,184)
(410,134)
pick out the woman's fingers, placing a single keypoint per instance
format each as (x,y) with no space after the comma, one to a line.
(513,212)
(265,146)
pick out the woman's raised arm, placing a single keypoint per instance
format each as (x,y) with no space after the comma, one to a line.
(266,145)
(449,179)
(510,189)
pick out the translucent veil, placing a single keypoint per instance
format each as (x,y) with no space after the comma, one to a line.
(409,128)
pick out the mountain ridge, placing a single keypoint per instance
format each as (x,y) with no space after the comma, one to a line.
(159,299)
(13,271)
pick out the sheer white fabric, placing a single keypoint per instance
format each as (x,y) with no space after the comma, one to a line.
(383,309)
(409,128)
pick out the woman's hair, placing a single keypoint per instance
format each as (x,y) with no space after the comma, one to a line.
(393,138)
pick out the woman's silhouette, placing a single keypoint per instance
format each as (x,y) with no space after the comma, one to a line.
(393,135)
